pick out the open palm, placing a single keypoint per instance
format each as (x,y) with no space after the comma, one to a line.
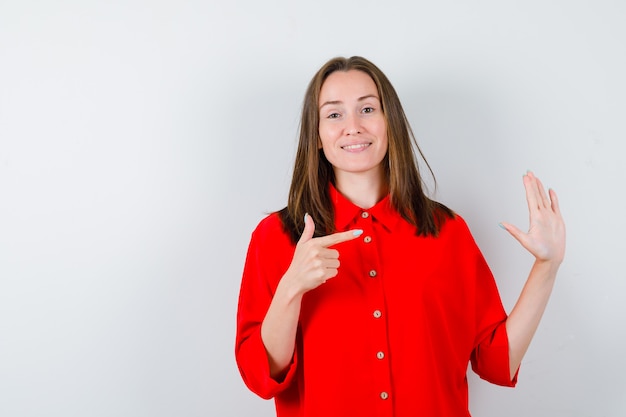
(545,238)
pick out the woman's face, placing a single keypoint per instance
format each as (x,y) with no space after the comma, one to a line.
(352,127)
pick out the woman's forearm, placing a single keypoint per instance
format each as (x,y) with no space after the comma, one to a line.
(526,315)
(279,328)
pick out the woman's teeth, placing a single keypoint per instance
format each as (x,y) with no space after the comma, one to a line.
(355,146)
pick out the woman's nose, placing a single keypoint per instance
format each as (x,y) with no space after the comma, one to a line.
(352,126)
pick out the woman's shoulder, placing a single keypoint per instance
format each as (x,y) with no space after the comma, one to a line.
(456,231)
(271,227)
(270,223)
(455,226)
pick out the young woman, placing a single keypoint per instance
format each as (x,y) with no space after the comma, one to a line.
(364,297)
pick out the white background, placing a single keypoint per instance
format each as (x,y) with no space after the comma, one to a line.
(142,141)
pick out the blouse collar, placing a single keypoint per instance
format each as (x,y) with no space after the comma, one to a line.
(347,213)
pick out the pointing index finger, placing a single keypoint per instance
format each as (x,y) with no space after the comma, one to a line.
(340,237)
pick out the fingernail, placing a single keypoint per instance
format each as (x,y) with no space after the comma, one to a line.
(305,216)
(357,232)
(502,226)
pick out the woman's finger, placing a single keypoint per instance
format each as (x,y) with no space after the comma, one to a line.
(554,202)
(545,200)
(532,197)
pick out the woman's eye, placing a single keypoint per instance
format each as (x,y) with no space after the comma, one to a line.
(368,110)
(333,115)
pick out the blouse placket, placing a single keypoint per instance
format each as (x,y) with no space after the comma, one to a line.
(371,272)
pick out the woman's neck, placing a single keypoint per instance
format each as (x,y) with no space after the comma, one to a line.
(362,190)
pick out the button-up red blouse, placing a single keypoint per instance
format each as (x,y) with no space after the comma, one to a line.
(391,334)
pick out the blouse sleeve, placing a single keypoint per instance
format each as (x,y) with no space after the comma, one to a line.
(260,277)
(490,356)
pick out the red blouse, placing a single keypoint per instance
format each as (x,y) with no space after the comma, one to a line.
(391,334)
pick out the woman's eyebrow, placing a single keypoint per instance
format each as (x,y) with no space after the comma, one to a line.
(333,102)
(368,96)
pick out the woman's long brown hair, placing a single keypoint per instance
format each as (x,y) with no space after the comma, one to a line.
(312,173)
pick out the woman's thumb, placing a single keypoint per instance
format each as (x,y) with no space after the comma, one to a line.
(309,229)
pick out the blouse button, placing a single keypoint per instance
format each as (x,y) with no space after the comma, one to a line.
(367,239)
(373,273)
(380,355)
(384,395)
(365,214)
(377,314)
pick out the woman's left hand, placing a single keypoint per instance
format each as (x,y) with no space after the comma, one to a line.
(545,238)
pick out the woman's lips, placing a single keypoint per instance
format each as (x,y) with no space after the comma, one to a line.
(355,147)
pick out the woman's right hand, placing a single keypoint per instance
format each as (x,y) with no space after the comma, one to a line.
(314,261)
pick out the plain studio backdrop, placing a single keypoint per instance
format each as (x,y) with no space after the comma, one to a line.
(142,141)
